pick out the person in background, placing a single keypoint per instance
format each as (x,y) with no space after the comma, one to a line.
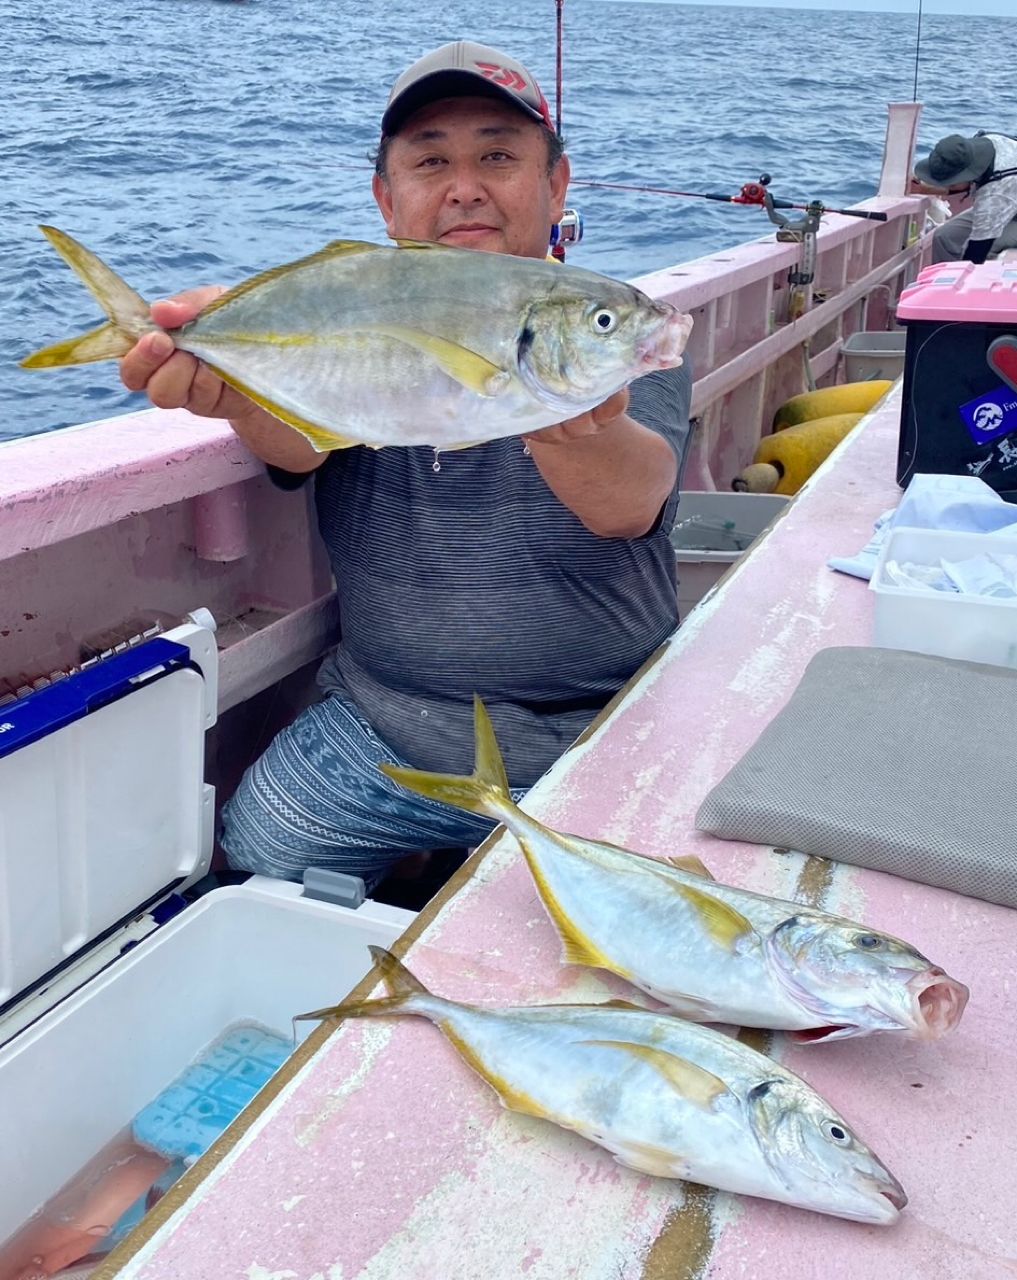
(984,167)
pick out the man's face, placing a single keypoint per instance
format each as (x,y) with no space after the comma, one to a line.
(472,172)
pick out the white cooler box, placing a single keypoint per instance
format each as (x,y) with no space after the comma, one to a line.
(103,807)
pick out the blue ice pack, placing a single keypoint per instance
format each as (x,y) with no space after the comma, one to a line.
(187,1117)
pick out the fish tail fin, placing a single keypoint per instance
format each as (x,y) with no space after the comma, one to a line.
(399,982)
(485,791)
(128,311)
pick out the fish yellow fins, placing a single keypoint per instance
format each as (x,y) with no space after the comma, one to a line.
(511,1097)
(684,862)
(723,923)
(398,980)
(336,249)
(695,1084)
(317,437)
(644,1157)
(576,947)
(128,312)
(485,791)
(689,862)
(474,372)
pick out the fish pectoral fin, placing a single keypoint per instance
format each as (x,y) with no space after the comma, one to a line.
(690,1007)
(696,1085)
(323,441)
(722,922)
(474,372)
(644,1157)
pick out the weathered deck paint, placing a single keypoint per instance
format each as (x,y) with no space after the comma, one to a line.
(378,1155)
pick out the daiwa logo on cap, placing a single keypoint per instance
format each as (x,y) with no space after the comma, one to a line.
(504,76)
(991,415)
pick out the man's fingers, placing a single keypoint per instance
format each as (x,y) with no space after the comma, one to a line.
(206,392)
(145,357)
(170,386)
(170,313)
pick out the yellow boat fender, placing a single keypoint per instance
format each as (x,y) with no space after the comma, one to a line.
(786,459)
(826,402)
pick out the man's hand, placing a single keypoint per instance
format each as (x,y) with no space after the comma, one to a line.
(613,473)
(175,379)
(590,423)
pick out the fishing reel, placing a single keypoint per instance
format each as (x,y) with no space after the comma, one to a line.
(568,231)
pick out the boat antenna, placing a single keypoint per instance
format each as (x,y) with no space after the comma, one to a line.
(918,45)
(560,6)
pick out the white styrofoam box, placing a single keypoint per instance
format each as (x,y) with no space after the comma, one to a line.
(874,354)
(98,817)
(699,570)
(78,1076)
(948,624)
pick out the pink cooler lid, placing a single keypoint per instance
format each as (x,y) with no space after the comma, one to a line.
(974,292)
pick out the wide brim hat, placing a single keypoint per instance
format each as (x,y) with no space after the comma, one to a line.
(954,160)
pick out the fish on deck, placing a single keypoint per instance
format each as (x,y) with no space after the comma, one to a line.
(710,951)
(421,344)
(665,1096)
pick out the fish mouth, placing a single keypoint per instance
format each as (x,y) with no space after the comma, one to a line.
(662,349)
(890,1199)
(884,1198)
(939,1003)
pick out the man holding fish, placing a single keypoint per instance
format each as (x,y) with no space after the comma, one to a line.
(535,570)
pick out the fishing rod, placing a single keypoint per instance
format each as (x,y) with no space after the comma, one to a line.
(560,7)
(569,230)
(752,193)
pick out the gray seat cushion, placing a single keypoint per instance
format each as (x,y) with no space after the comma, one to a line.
(891,760)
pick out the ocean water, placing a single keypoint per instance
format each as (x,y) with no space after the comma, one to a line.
(197,141)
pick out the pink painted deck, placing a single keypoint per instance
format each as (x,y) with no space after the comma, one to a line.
(379,1154)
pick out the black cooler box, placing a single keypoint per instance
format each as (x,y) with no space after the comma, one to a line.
(959,408)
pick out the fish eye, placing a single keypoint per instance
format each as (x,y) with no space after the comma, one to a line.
(605,321)
(868,942)
(836,1133)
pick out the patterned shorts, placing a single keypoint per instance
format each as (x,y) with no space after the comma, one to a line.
(317,798)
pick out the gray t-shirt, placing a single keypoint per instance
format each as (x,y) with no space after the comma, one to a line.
(475,577)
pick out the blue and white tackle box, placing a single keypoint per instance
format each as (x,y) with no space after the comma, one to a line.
(107,990)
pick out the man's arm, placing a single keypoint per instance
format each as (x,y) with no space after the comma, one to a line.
(611,470)
(176,380)
(977,250)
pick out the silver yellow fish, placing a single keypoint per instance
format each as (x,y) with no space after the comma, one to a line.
(665,1096)
(421,344)
(712,952)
